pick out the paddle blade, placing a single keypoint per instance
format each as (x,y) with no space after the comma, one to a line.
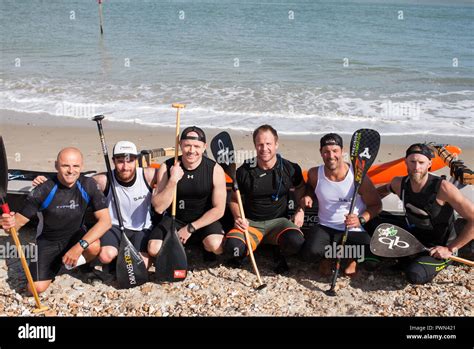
(3,170)
(171,263)
(131,269)
(223,152)
(365,144)
(392,241)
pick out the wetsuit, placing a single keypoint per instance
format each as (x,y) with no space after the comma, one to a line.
(194,199)
(265,200)
(63,210)
(429,222)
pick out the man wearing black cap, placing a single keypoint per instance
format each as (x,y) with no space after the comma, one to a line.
(333,186)
(429,203)
(201,196)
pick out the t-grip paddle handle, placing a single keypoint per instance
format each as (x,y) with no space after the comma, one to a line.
(98,118)
(5,208)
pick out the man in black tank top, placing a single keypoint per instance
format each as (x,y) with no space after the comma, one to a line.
(63,201)
(201,196)
(264,183)
(429,204)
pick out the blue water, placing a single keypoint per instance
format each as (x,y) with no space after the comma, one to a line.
(303,66)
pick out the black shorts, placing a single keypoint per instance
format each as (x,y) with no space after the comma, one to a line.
(50,256)
(159,232)
(319,237)
(113,237)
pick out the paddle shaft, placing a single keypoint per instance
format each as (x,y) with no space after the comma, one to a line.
(109,172)
(176,145)
(457,259)
(40,308)
(100,17)
(344,238)
(247,237)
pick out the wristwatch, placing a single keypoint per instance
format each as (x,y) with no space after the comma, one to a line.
(362,220)
(84,244)
(191,228)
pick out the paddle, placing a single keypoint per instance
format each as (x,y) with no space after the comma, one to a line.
(101,20)
(364,147)
(131,269)
(6,209)
(171,263)
(392,241)
(223,151)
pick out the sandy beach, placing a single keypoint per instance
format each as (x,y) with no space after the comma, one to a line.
(33,141)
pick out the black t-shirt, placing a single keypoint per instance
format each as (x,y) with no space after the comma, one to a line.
(265,192)
(63,208)
(194,193)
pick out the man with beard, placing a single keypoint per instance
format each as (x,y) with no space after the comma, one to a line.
(333,186)
(429,203)
(134,187)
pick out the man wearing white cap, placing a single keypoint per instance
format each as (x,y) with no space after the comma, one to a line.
(134,188)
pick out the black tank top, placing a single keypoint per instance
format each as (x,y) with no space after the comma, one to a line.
(430,222)
(265,192)
(194,195)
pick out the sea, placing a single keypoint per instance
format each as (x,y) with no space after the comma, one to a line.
(305,67)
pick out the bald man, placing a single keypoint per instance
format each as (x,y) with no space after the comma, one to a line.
(62,202)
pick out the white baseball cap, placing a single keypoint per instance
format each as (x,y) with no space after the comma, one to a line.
(125,148)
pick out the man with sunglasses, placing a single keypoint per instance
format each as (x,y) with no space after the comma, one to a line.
(265,182)
(134,187)
(429,202)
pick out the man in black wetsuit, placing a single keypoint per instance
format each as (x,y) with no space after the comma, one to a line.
(264,183)
(63,201)
(201,196)
(429,202)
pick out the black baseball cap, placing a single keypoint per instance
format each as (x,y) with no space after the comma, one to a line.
(330,139)
(420,148)
(201,136)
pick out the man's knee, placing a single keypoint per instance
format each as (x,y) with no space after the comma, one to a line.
(235,248)
(291,242)
(107,254)
(312,252)
(418,274)
(40,286)
(213,243)
(154,247)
